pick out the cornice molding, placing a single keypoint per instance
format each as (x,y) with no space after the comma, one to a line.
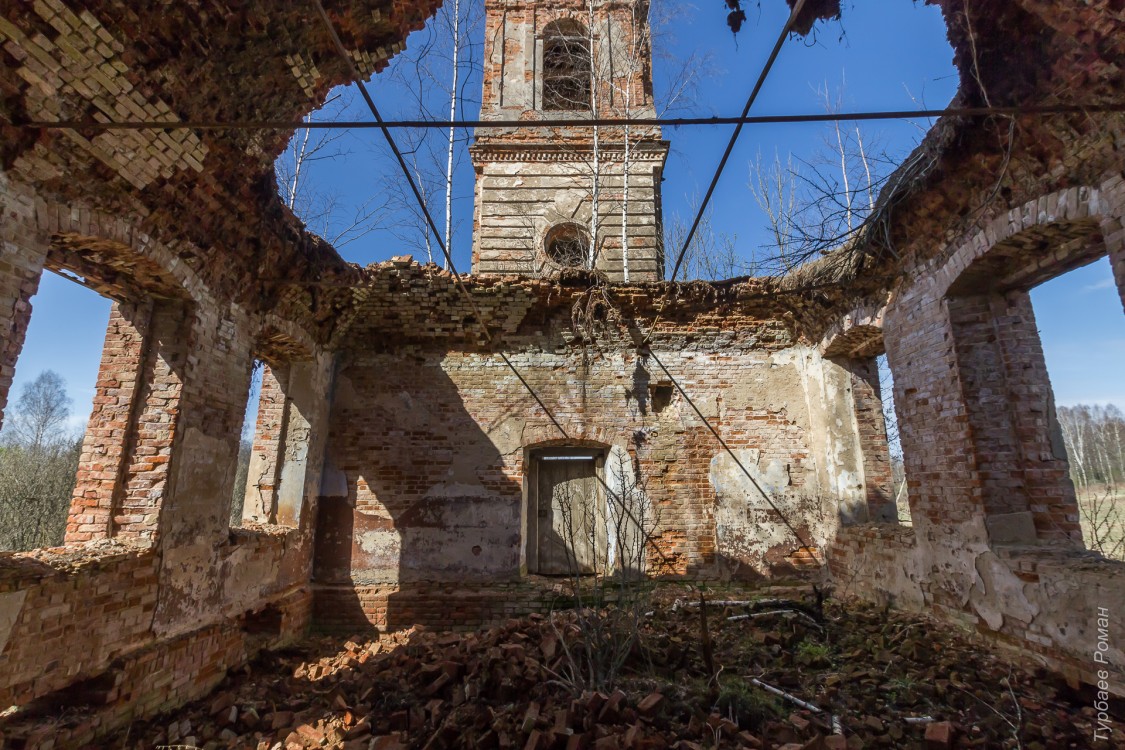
(644,151)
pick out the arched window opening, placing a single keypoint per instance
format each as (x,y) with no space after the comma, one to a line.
(566,67)
(894,441)
(273,449)
(55,389)
(1076,316)
(568,246)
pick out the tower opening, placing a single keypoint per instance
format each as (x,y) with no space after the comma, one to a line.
(567,245)
(566,67)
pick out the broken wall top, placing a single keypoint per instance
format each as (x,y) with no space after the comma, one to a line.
(402,304)
(210,194)
(969,172)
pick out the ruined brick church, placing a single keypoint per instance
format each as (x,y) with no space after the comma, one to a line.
(412,433)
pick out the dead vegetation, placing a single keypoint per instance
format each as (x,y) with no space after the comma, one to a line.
(852,676)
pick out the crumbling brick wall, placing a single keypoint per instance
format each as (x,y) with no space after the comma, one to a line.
(436,461)
(149,553)
(984,210)
(995,520)
(426,478)
(184,230)
(126,451)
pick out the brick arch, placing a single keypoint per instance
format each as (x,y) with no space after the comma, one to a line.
(1020,468)
(113,257)
(117,259)
(278,341)
(858,334)
(1076,220)
(581,434)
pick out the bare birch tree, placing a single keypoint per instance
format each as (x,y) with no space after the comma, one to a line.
(819,204)
(439,73)
(775,191)
(1095,445)
(712,255)
(323,209)
(38,463)
(41,412)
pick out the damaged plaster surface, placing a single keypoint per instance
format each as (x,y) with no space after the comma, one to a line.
(461,418)
(425,437)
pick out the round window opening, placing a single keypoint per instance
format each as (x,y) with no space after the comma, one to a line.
(567,245)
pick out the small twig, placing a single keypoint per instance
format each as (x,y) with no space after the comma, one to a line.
(730,603)
(989,706)
(705,636)
(787,696)
(919,719)
(434,736)
(902,632)
(752,615)
(1019,713)
(798,612)
(837,725)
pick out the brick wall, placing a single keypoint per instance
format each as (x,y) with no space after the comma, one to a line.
(984,462)
(1116,242)
(105,444)
(61,614)
(144,677)
(20,264)
(127,446)
(103,617)
(350,610)
(528,181)
(78,629)
(871,430)
(425,483)
(264,476)
(347,610)
(429,448)
(1025,485)
(156,414)
(522,193)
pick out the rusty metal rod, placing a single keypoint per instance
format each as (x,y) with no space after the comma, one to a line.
(893,114)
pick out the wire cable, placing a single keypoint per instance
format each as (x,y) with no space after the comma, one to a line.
(797,7)
(698,413)
(675,122)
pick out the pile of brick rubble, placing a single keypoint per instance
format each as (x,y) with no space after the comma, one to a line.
(853,677)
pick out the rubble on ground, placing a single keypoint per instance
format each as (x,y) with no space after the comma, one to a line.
(877,679)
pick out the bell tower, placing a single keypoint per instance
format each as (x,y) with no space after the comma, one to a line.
(568,194)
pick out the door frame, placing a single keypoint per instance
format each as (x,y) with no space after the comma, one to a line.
(531,491)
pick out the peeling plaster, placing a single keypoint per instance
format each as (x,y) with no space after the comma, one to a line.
(746,527)
(998,593)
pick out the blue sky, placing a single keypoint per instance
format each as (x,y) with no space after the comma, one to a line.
(1082,327)
(874,68)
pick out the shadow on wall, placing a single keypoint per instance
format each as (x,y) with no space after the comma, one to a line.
(415,493)
(421,516)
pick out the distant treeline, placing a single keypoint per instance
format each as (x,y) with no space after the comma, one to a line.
(38,464)
(1095,444)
